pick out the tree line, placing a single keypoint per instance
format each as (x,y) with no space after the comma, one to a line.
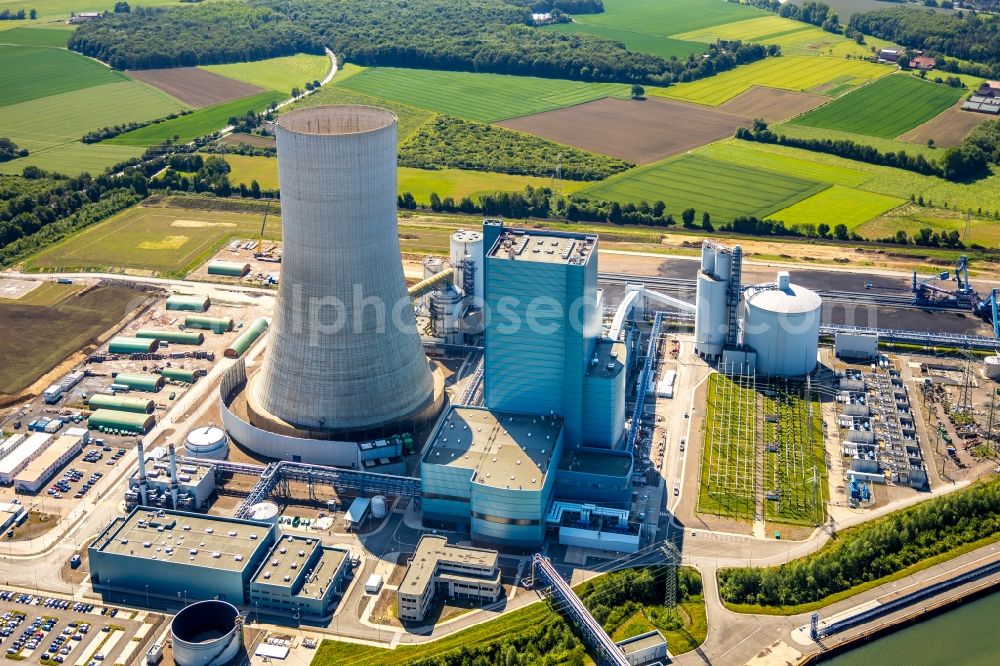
(105,133)
(10,150)
(872,550)
(814,13)
(962,34)
(19,15)
(969,160)
(460,35)
(190,36)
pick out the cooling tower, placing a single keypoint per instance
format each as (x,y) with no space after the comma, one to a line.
(344,358)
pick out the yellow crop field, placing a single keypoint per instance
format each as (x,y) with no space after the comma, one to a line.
(749,30)
(814,73)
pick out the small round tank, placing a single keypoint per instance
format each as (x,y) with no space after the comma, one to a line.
(267,512)
(378,507)
(991,366)
(207,442)
(207,632)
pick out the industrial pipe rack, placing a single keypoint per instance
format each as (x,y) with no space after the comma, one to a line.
(607,652)
(643,382)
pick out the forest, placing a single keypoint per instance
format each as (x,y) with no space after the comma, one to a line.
(872,550)
(964,35)
(10,150)
(446,141)
(464,35)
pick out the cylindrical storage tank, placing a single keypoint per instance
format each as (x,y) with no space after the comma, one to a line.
(467,248)
(173,337)
(711,321)
(188,303)
(267,512)
(180,375)
(207,442)
(121,403)
(707,257)
(378,507)
(215,324)
(124,345)
(241,344)
(432,266)
(991,366)
(207,632)
(228,268)
(444,305)
(782,326)
(344,355)
(140,381)
(112,419)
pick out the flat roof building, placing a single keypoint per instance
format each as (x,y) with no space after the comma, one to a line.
(645,648)
(300,577)
(492,472)
(37,472)
(177,553)
(19,458)
(440,569)
(195,484)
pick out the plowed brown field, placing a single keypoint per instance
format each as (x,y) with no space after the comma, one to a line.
(947,129)
(637,131)
(771,104)
(194,86)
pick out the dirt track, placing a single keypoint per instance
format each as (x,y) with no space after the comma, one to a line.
(194,86)
(771,104)
(637,131)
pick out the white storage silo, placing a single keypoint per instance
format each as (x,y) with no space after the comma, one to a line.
(782,326)
(991,367)
(206,633)
(207,442)
(711,324)
(378,507)
(467,258)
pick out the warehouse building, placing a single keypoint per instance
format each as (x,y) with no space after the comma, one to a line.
(140,381)
(188,303)
(121,403)
(112,420)
(22,455)
(125,345)
(438,569)
(228,268)
(36,473)
(241,344)
(179,554)
(492,473)
(215,324)
(172,337)
(300,578)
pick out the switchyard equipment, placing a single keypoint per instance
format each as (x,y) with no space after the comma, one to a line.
(344,361)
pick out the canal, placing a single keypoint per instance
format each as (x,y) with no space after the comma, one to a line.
(968,635)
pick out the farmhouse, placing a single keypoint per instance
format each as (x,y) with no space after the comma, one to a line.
(925,63)
(888,55)
(83,16)
(985,100)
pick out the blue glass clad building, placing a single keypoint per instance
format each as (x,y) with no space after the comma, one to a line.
(543,320)
(492,473)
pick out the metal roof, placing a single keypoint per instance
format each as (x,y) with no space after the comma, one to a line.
(433,551)
(550,247)
(794,299)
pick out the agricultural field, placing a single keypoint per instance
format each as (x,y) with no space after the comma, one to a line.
(479,97)
(66,327)
(838,205)
(658,45)
(73,158)
(29,73)
(655,17)
(279,74)
(57,122)
(947,129)
(201,122)
(608,126)
(885,108)
(724,190)
(748,154)
(409,118)
(54,38)
(911,218)
(195,87)
(797,73)
(771,104)
(57,11)
(794,37)
(456,183)
(882,144)
(729,449)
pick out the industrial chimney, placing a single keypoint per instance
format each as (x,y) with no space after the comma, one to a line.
(173,477)
(343,359)
(143,482)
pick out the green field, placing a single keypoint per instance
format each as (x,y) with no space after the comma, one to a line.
(640,42)
(35,37)
(794,37)
(66,327)
(667,18)
(838,205)
(882,144)
(799,73)
(746,153)
(410,118)
(57,122)
(693,181)
(201,122)
(280,74)
(59,11)
(73,158)
(455,183)
(28,73)
(480,97)
(885,108)
(982,230)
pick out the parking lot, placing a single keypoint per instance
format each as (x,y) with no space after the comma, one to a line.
(50,631)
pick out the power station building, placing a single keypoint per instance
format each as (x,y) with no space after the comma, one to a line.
(344,361)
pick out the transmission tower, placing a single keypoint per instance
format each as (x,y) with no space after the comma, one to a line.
(673,557)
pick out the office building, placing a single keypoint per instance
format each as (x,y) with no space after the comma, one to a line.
(442,570)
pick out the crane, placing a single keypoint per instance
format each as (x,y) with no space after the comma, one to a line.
(963,294)
(262,254)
